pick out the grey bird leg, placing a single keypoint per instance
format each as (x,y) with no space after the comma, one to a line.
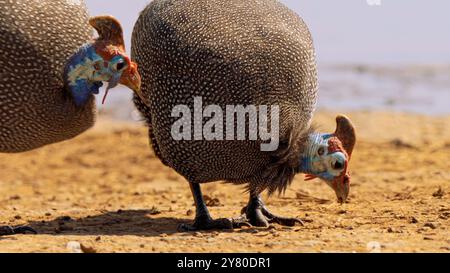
(258,215)
(203,220)
(8,230)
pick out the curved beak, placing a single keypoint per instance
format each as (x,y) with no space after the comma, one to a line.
(341,186)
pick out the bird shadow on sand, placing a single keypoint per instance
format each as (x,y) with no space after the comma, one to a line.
(122,222)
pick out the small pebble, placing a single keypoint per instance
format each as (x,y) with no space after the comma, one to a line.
(374,247)
(15,197)
(439,193)
(87,249)
(430,225)
(74,247)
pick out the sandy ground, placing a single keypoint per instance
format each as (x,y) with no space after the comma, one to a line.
(106,190)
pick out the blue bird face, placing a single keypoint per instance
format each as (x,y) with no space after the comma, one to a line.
(86,70)
(321,160)
(102,60)
(325,158)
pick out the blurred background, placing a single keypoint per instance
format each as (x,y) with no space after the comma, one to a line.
(372,54)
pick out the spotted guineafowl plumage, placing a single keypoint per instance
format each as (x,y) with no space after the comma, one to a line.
(37,38)
(51,68)
(233,52)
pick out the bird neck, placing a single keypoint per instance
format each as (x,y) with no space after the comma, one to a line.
(78,74)
(305,159)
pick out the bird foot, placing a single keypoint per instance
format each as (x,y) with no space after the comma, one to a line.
(284,221)
(207,223)
(9,230)
(261,217)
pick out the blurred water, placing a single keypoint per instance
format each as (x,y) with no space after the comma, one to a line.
(401,48)
(416,89)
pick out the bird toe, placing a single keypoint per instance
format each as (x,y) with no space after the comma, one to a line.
(208,224)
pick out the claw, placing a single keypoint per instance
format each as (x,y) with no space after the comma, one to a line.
(290,222)
(206,224)
(261,216)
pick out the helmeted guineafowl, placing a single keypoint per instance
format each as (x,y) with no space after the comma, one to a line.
(234,52)
(50,69)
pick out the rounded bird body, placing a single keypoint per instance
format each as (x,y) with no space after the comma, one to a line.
(50,68)
(37,38)
(235,53)
(229,53)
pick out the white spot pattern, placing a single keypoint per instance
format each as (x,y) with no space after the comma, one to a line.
(37,38)
(229,52)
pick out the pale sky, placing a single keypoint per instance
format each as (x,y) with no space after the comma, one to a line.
(349,31)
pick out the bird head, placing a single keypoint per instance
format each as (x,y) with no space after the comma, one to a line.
(327,156)
(103,60)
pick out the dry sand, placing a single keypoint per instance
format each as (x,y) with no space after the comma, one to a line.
(106,190)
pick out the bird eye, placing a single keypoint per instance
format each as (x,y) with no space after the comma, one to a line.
(120,66)
(337,165)
(321,151)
